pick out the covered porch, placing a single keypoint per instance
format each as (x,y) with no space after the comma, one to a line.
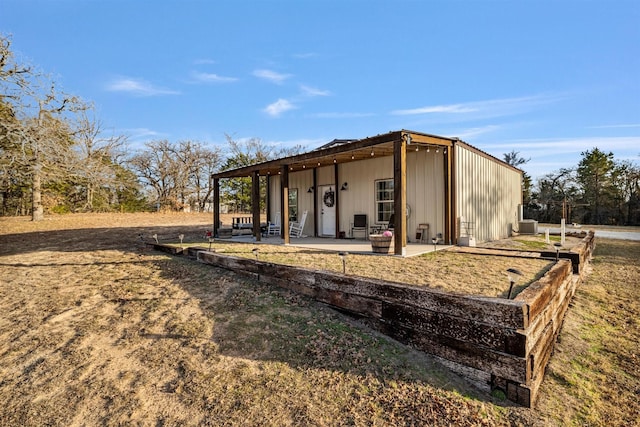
(400,180)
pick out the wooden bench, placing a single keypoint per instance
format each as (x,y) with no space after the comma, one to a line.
(245,223)
(242,223)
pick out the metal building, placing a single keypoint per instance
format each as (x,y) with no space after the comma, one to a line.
(420,185)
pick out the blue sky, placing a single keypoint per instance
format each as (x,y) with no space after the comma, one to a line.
(549,79)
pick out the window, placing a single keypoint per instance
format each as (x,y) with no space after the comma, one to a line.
(293,205)
(384,200)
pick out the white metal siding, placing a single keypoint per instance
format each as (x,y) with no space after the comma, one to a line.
(302,181)
(360,197)
(487,193)
(425,191)
(274,196)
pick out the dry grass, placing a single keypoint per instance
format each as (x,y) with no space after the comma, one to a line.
(594,375)
(449,271)
(95,329)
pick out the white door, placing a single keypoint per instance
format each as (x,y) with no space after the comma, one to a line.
(328,210)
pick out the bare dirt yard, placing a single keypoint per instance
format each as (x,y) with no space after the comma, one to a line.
(96,329)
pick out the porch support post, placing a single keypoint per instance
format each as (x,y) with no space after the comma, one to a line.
(284,203)
(216,207)
(255,205)
(314,201)
(337,198)
(267,203)
(453,193)
(449,221)
(400,196)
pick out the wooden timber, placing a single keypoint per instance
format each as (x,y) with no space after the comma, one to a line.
(499,343)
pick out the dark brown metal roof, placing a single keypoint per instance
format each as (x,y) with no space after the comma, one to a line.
(338,151)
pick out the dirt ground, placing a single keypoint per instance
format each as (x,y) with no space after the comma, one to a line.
(96,329)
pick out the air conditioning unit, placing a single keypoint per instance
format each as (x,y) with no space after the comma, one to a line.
(528,226)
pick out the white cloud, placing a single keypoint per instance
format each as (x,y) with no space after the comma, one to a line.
(141,132)
(279,107)
(487,108)
(341,115)
(473,132)
(551,146)
(138,87)
(212,78)
(136,137)
(305,55)
(271,76)
(312,91)
(454,108)
(550,154)
(204,61)
(622,126)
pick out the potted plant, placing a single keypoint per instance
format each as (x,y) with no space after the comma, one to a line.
(381,243)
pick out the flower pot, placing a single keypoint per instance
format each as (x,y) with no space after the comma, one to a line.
(380,244)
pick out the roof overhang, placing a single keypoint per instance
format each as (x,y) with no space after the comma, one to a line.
(351,151)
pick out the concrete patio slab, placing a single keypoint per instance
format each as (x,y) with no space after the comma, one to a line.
(355,246)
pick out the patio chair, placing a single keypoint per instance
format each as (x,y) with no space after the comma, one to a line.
(392,222)
(360,224)
(296,228)
(273,228)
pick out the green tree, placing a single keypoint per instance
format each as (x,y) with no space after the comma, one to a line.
(236,192)
(594,177)
(128,195)
(514,159)
(555,191)
(625,181)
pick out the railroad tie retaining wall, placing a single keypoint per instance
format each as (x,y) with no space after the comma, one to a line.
(504,343)
(497,343)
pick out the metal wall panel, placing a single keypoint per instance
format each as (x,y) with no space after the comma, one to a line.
(360,197)
(487,194)
(302,180)
(274,195)
(425,191)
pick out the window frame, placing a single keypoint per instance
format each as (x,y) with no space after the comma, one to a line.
(382,214)
(293,205)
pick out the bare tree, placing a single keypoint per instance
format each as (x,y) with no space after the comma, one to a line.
(237,191)
(152,166)
(177,173)
(13,77)
(37,144)
(200,162)
(555,191)
(96,155)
